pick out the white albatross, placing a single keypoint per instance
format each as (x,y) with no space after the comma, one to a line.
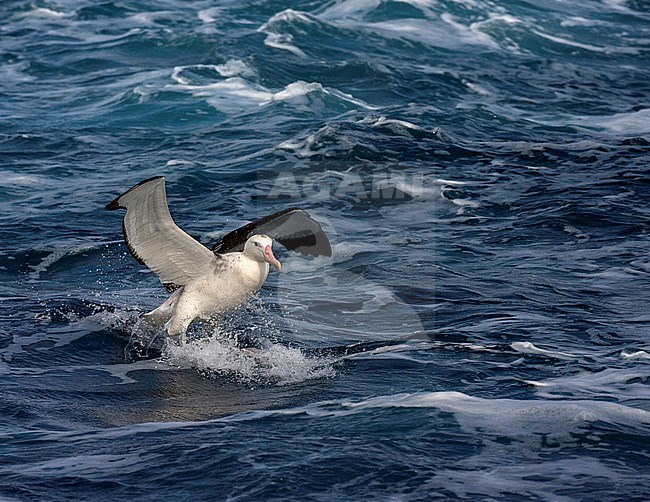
(207,283)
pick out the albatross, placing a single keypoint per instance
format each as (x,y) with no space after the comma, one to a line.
(207,283)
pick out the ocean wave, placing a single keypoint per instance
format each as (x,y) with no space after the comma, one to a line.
(618,384)
(237,93)
(481,169)
(364,138)
(276,37)
(510,418)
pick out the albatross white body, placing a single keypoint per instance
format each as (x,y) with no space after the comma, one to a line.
(230,282)
(208,283)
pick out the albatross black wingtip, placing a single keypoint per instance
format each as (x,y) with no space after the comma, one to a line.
(115,203)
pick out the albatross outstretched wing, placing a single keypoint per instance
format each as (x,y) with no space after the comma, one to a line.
(155,240)
(293,228)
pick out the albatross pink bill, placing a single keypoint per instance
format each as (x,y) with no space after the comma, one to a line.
(268,256)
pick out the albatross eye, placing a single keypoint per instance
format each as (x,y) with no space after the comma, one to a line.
(257,244)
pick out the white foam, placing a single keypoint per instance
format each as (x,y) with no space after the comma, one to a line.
(44,12)
(581,21)
(639,354)
(610,383)
(637,122)
(231,68)
(276,38)
(629,123)
(209,15)
(151,18)
(529,348)
(419,191)
(272,364)
(288,15)
(619,6)
(296,90)
(299,89)
(396,125)
(232,95)
(236,94)
(450,182)
(435,35)
(520,411)
(348,9)
(327,140)
(283,41)
(570,43)
(537,384)
(235,68)
(462,203)
(527,420)
(56,255)
(23,180)
(478,89)
(179,162)
(498,18)
(473,34)
(576,232)
(305,148)
(424,4)
(392,352)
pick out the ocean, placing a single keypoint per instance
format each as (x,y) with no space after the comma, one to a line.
(482,170)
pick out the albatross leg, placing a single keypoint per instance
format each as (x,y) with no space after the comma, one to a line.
(177,326)
(162,314)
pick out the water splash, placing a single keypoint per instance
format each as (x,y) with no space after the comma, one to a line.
(272,364)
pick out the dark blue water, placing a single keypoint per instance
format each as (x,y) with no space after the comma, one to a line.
(482,330)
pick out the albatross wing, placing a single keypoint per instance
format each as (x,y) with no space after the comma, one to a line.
(155,240)
(293,228)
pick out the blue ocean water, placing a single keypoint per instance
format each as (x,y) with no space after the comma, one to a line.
(482,329)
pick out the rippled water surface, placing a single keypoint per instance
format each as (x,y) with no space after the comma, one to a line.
(482,170)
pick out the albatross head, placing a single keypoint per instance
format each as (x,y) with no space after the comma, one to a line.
(258,248)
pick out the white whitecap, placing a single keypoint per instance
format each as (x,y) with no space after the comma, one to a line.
(581,21)
(276,37)
(637,122)
(151,18)
(639,354)
(282,41)
(581,45)
(610,383)
(44,12)
(179,162)
(526,420)
(23,180)
(349,9)
(235,94)
(530,348)
(234,68)
(209,15)
(477,88)
(56,254)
